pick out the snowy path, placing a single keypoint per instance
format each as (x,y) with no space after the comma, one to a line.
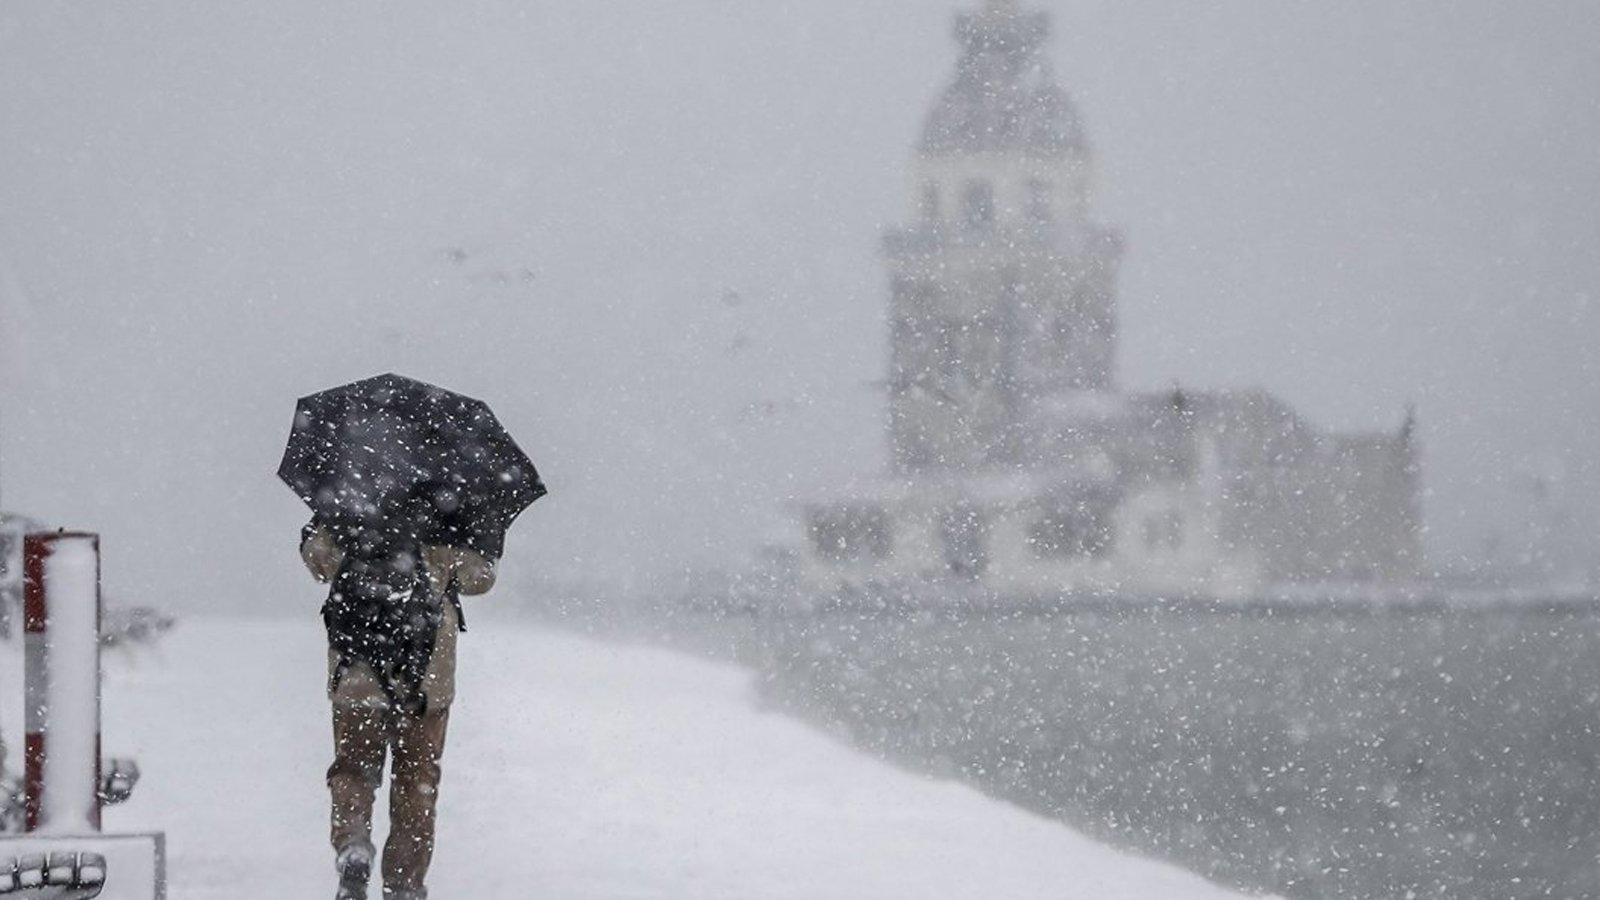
(576,770)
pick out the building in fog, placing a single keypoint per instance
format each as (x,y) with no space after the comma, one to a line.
(1017,465)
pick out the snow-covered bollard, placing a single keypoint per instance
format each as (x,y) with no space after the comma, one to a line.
(62,784)
(61,612)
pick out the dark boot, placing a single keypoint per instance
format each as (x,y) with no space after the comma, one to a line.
(355,870)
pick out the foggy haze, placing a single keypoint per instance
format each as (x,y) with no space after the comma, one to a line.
(647,236)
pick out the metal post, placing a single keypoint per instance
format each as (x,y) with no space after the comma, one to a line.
(61,611)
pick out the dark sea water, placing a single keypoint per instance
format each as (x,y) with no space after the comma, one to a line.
(1321,756)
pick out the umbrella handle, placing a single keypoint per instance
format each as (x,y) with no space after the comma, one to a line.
(452,590)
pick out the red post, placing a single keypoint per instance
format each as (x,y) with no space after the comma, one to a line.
(61,618)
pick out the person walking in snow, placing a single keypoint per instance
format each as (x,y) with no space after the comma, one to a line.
(393,615)
(412,488)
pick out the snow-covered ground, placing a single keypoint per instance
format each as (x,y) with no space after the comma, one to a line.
(576,769)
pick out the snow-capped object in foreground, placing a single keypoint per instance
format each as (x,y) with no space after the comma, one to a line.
(576,769)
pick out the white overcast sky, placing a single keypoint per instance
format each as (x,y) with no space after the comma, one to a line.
(207,210)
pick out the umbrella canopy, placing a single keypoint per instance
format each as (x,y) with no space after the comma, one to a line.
(391,458)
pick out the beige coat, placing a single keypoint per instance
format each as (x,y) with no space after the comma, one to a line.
(474,574)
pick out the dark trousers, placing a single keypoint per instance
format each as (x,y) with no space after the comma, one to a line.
(362,737)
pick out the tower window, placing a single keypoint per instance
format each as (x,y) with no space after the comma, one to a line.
(851,532)
(1039,200)
(964,532)
(1075,527)
(977,204)
(928,204)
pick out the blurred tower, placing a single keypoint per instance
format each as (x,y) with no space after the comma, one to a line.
(1019,468)
(1003,287)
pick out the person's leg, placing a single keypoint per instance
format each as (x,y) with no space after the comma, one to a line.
(360,741)
(413,799)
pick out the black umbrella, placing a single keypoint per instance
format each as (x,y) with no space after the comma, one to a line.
(392,458)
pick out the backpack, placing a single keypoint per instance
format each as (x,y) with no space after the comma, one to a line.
(382,610)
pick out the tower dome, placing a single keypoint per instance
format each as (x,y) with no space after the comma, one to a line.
(1003,98)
